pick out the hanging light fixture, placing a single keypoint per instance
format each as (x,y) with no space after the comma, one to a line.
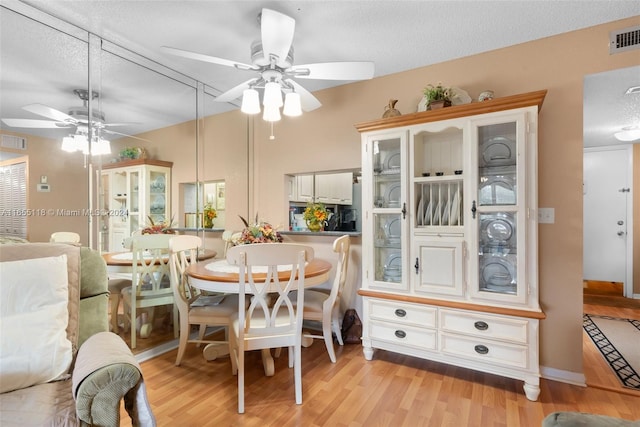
(628,134)
(272,101)
(79,142)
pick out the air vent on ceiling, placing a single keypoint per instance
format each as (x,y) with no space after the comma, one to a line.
(17,142)
(624,39)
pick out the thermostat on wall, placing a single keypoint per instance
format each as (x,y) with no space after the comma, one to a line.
(44,188)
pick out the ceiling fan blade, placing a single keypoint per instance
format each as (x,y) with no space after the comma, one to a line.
(30,123)
(307,100)
(352,70)
(112,132)
(207,58)
(120,124)
(235,92)
(277,35)
(51,113)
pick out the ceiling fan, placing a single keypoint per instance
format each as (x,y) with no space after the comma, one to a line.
(77,117)
(272,59)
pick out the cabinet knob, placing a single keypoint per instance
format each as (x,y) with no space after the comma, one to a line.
(481,349)
(402,334)
(404,210)
(481,326)
(473,209)
(400,312)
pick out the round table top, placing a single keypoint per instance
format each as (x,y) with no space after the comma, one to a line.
(317,267)
(119,259)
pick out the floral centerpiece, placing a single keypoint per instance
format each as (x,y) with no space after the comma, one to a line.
(258,232)
(209,215)
(163,227)
(437,95)
(316,216)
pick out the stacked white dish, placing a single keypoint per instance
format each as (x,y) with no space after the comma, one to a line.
(393,268)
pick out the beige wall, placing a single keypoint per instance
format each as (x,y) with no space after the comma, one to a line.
(68,181)
(326,139)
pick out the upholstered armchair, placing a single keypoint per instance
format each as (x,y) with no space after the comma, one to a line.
(59,364)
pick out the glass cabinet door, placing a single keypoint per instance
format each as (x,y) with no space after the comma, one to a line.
(498,209)
(157,196)
(388,207)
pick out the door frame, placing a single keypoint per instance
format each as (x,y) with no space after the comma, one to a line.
(628,148)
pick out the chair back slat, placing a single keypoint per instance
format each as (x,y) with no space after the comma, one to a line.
(271,311)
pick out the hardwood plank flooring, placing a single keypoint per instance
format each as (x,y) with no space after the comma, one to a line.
(391,390)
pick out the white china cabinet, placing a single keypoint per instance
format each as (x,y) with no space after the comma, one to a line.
(132,192)
(450,236)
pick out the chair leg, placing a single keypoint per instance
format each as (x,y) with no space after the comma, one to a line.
(233,353)
(184,338)
(133,321)
(241,382)
(336,326)
(176,321)
(328,339)
(297,373)
(115,304)
(201,332)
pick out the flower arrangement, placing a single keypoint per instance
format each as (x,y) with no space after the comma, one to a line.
(258,232)
(163,227)
(438,92)
(316,216)
(209,215)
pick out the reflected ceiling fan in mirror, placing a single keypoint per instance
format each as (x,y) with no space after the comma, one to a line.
(78,118)
(272,59)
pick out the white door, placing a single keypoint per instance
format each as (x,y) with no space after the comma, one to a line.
(606,193)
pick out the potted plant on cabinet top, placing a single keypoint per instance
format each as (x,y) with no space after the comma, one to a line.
(438,96)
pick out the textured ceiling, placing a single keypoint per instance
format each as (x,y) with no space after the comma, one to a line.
(396,36)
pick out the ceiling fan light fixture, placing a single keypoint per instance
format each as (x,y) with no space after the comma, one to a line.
(100,146)
(292,105)
(82,144)
(271,114)
(68,144)
(628,134)
(272,95)
(250,101)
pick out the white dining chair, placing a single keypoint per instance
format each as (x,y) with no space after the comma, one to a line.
(193,307)
(324,307)
(64,237)
(150,283)
(271,320)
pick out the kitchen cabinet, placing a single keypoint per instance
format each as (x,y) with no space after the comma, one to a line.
(327,188)
(449,236)
(132,193)
(334,188)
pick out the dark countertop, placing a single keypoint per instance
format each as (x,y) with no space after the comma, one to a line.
(322,233)
(284,233)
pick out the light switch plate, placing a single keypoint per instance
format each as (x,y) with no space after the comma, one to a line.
(546,215)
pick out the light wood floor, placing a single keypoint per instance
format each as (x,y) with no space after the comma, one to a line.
(596,369)
(392,390)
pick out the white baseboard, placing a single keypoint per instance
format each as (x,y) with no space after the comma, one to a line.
(568,377)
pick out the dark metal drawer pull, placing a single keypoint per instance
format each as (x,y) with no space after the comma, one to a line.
(481,349)
(401,334)
(400,312)
(481,326)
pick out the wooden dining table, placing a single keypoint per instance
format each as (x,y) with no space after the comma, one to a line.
(219,276)
(122,262)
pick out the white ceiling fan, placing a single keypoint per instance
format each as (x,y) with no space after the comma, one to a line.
(77,117)
(272,59)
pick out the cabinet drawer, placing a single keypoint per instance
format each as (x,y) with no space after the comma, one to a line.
(420,338)
(407,314)
(494,352)
(486,326)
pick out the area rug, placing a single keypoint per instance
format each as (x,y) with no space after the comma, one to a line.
(619,342)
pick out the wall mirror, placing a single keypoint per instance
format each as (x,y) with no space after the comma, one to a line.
(154,114)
